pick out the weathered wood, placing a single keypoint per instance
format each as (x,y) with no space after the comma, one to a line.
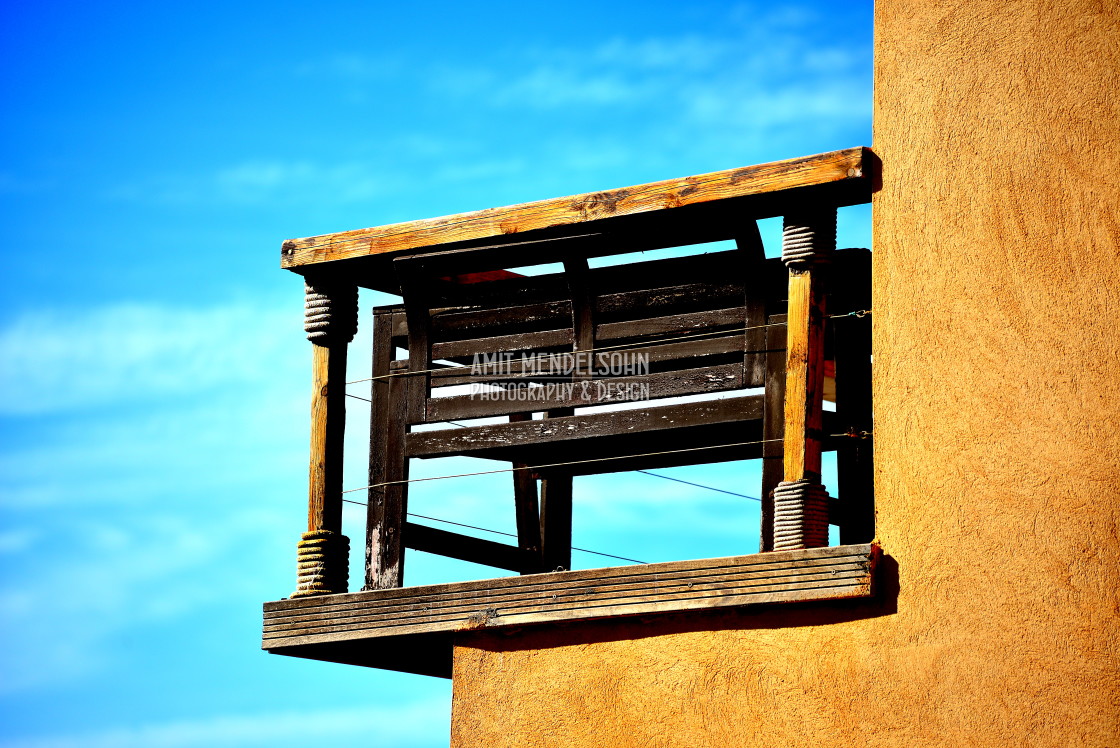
(568,212)
(554,431)
(583,326)
(379,435)
(369,628)
(417,303)
(712,350)
(584,393)
(413,608)
(773,426)
(328,425)
(387,505)
(466,548)
(526,341)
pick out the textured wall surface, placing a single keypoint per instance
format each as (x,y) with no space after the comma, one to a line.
(997,331)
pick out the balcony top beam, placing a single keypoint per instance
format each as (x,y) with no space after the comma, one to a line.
(655,210)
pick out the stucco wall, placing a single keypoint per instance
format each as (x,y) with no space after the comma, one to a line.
(997,330)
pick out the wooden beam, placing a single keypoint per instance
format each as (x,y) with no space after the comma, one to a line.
(826,168)
(466,548)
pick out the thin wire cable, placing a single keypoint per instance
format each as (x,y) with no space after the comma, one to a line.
(560,464)
(499,532)
(698,485)
(656,475)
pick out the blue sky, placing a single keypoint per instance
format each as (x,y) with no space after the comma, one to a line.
(153,372)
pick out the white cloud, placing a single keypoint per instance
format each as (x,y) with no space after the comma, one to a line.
(96,576)
(53,361)
(423,722)
(758,76)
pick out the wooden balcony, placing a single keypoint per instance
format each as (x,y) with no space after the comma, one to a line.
(722,322)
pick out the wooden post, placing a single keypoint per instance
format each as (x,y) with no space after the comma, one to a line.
(556,485)
(330,320)
(854,456)
(386,505)
(749,244)
(773,426)
(800,500)
(556,521)
(526,508)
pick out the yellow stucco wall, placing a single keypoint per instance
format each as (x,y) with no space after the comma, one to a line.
(997,331)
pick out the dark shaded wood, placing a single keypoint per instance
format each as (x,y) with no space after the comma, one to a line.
(554,431)
(370,628)
(567,213)
(466,548)
(556,520)
(526,508)
(749,244)
(773,426)
(525,341)
(854,457)
(417,304)
(583,326)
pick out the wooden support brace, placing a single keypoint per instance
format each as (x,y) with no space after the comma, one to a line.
(466,548)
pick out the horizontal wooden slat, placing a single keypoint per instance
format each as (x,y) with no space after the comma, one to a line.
(670,356)
(572,211)
(602,391)
(851,269)
(360,625)
(583,427)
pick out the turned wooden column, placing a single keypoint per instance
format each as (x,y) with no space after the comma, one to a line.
(800,500)
(330,320)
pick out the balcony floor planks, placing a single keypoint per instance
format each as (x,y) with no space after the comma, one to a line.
(512,598)
(369,628)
